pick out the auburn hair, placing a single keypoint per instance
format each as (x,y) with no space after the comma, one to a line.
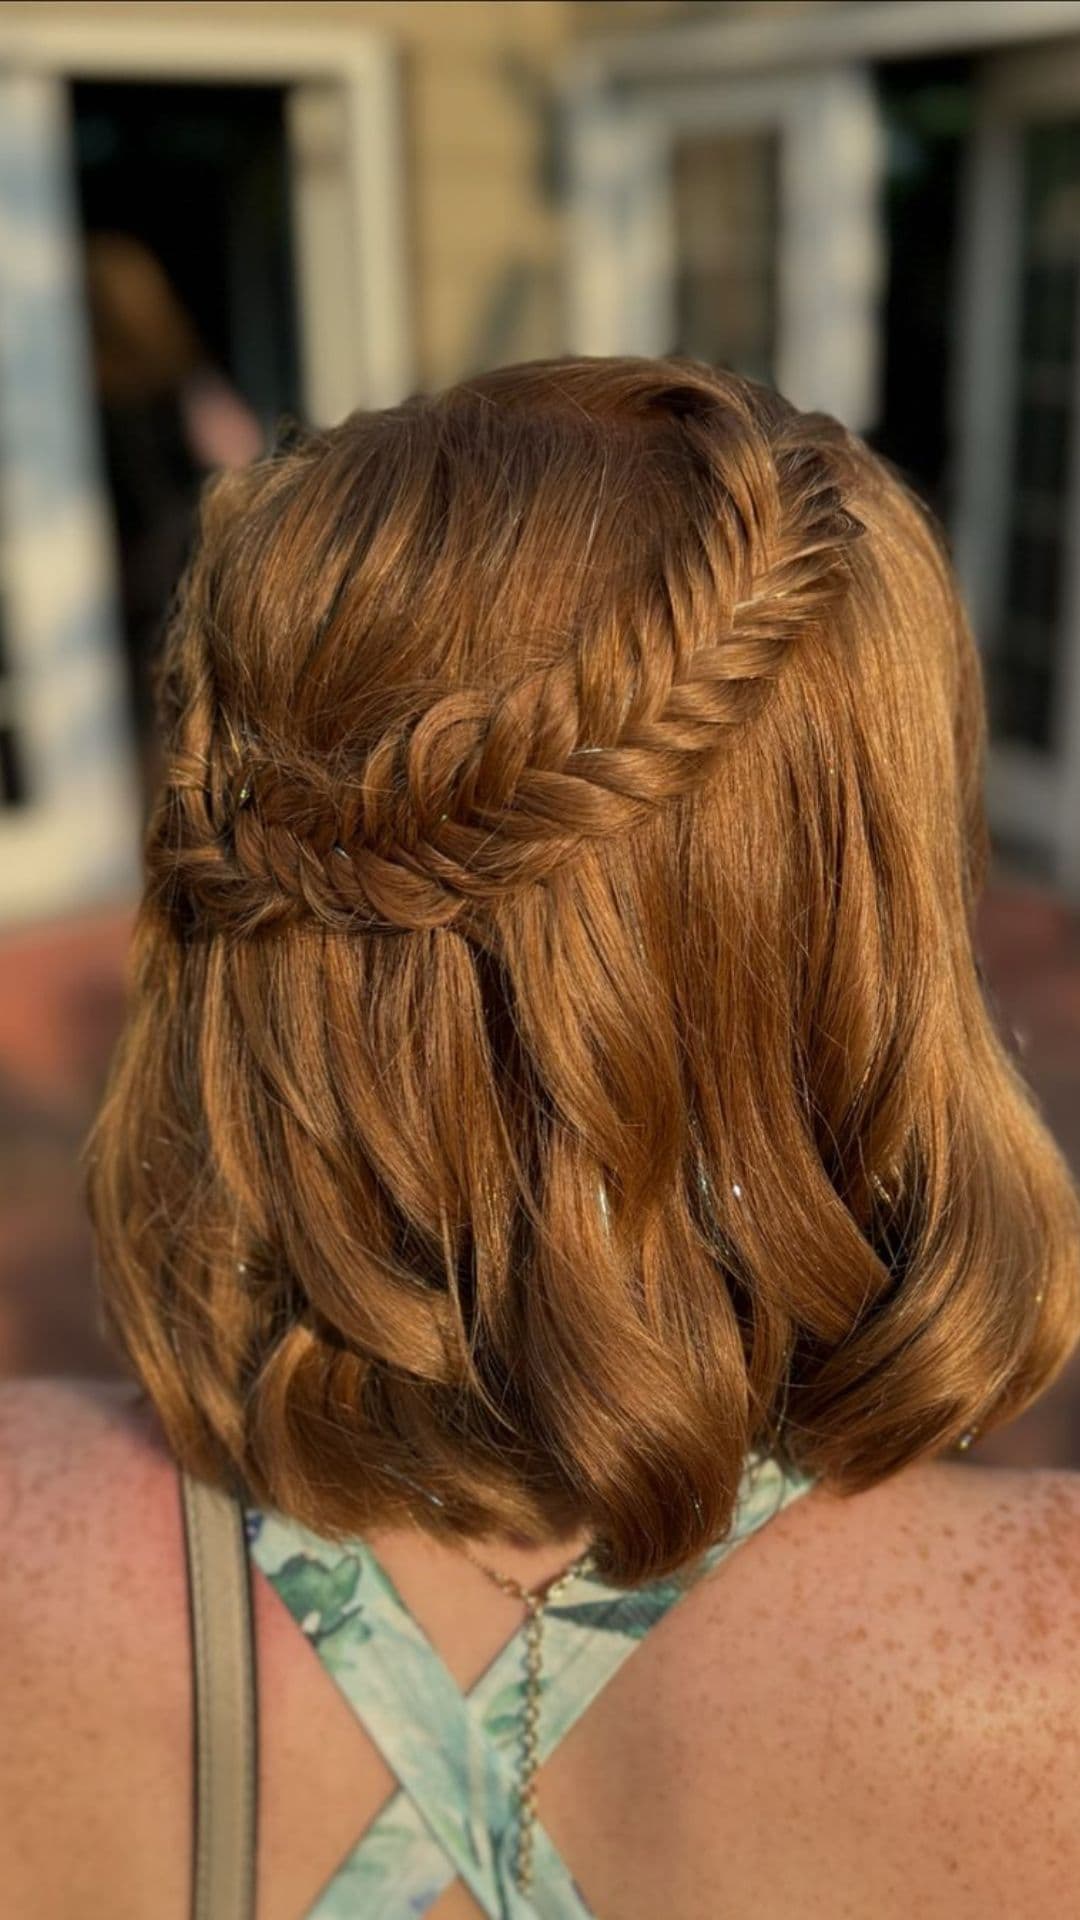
(557,1064)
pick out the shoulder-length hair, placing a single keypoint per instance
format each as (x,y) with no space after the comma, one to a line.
(557,1064)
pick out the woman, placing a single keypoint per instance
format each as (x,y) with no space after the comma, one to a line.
(168,418)
(561,1183)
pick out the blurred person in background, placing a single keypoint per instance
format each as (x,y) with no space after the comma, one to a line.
(560,1180)
(169,417)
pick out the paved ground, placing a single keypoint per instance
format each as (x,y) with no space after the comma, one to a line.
(60,1001)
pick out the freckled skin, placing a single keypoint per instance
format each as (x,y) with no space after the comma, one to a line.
(871,1711)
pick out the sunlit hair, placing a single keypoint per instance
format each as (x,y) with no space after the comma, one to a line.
(557,1063)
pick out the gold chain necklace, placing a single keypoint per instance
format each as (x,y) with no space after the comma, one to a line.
(535,1599)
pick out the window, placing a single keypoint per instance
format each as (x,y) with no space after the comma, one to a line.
(725,193)
(1026,656)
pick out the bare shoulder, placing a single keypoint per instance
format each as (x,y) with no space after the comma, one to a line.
(89,1508)
(81,1461)
(36,1415)
(92,1640)
(990,1538)
(981,1562)
(926,1643)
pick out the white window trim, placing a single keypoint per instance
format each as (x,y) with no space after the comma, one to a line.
(1031,794)
(627,94)
(621,266)
(785,35)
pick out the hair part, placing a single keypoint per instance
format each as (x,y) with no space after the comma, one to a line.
(557,1064)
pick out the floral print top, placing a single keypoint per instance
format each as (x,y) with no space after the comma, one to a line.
(454,1755)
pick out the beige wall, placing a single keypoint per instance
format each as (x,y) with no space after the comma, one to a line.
(623,16)
(626,16)
(484,242)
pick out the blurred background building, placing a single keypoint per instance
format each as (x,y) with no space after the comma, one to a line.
(218,218)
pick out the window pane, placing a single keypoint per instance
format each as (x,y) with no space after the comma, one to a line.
(725,190)
(1024,663)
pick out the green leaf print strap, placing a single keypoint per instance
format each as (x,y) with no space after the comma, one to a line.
(459,1816)
(454,1757)
(595,1627)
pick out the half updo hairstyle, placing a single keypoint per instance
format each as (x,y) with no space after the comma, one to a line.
(557,1064)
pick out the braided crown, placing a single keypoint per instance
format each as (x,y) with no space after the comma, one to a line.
(475,793)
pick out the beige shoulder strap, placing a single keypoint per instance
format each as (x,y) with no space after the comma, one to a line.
(225,1732)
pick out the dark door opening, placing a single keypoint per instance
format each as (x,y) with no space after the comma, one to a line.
(183,195)
(927,108)
(200,175)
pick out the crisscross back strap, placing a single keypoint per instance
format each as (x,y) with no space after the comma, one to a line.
(224,1704)
(594,1628)
(454,1756)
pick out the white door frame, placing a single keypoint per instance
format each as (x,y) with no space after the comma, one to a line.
(73,843)
(350,209)
(1035,793)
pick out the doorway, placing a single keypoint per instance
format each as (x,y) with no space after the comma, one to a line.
(182,193)
(199,174)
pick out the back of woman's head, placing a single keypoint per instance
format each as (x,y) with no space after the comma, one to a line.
(557,1064)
